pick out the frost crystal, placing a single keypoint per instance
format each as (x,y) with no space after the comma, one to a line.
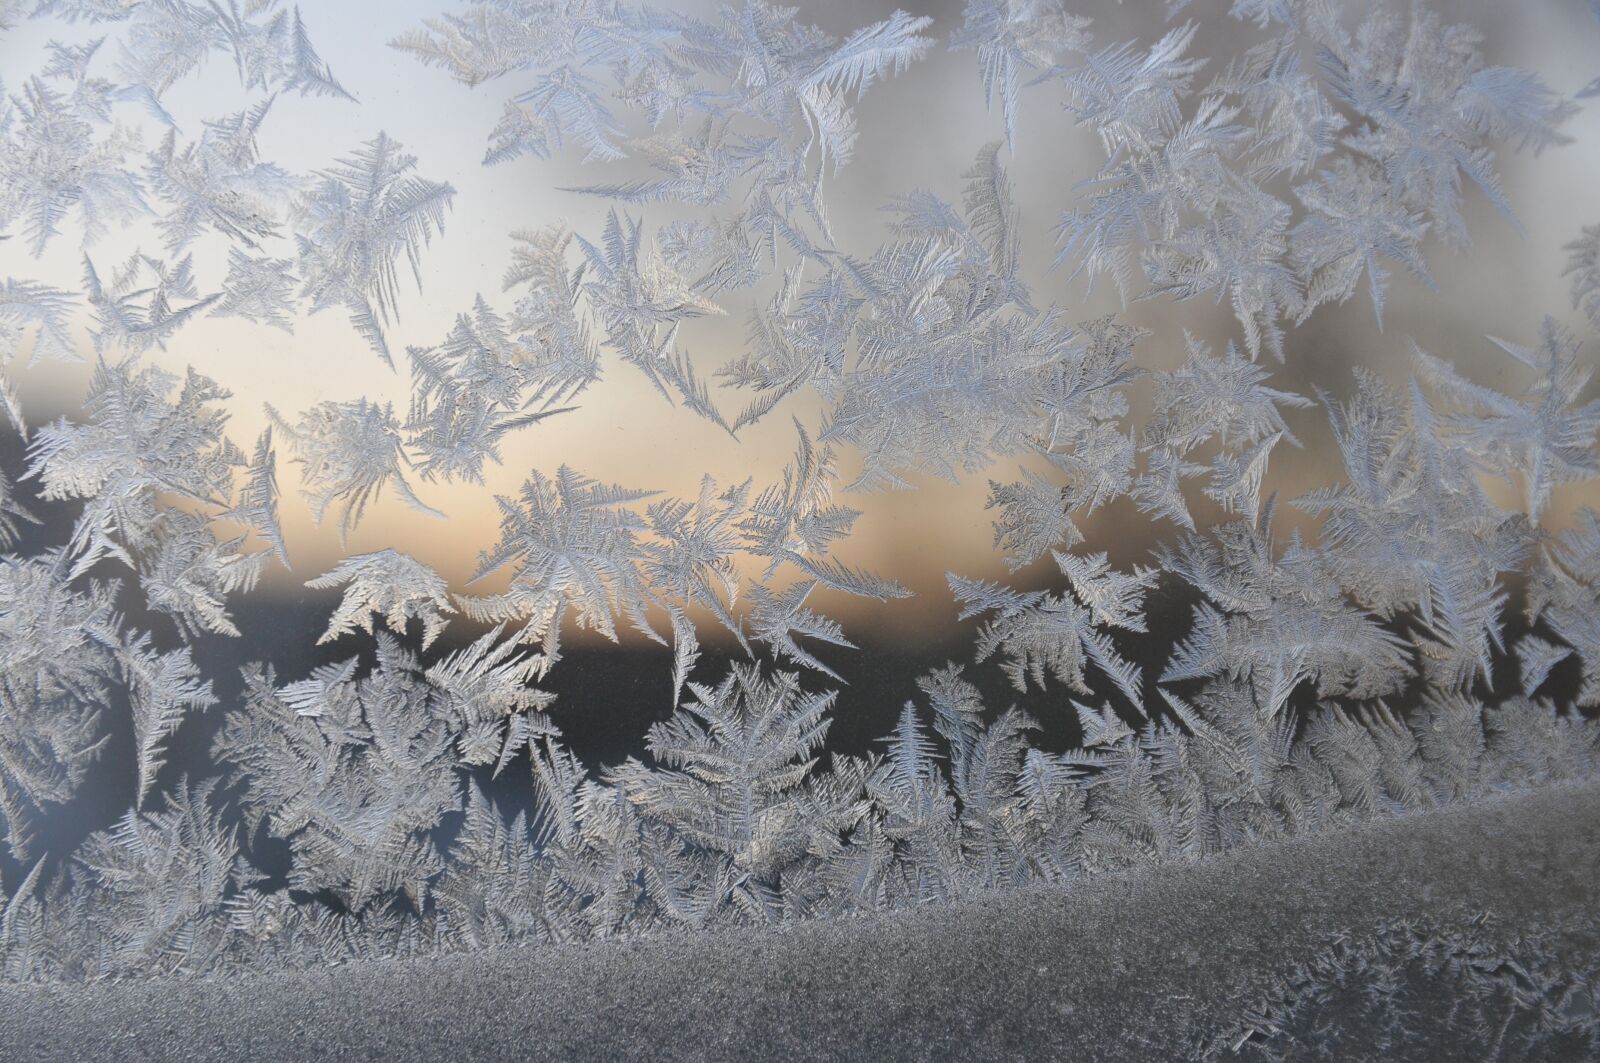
(1396,635)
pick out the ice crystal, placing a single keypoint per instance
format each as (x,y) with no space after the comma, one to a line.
(1240,683)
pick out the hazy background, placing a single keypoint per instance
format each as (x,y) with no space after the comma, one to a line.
(918,130)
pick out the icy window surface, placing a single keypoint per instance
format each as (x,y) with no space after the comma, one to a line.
(540,470)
